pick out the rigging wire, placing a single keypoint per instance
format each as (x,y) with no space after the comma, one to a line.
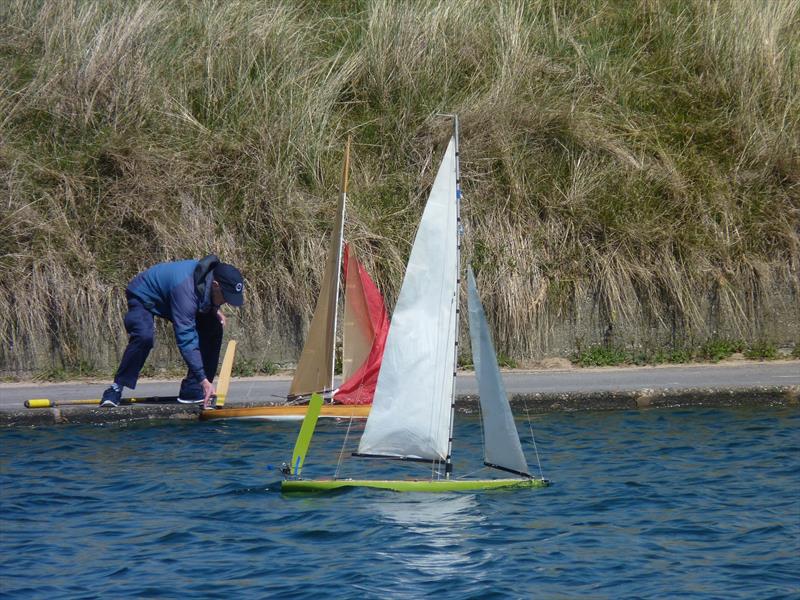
(535,449)
(480,420)
(483,436)
(341,452)
(471,473)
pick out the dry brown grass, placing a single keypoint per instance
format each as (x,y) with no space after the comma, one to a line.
(631,170)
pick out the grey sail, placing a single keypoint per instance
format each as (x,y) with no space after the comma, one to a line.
(502,447)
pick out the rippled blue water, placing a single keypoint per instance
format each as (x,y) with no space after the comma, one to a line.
(651,504)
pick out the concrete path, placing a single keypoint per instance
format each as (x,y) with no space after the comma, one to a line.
(730,383)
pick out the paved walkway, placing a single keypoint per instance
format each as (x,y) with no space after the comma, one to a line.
(731,383)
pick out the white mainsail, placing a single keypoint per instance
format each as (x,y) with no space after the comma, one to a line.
(502,448)
(410,414)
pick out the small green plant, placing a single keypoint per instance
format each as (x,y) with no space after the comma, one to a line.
(645,357)
(506,362)
(716,349)
(661,356)
(268,368)
(244,367)
(796,350)
(679,355)
(762,350)
(601,356)
(672,356)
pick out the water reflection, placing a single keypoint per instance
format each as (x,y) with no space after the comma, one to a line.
(435,529)
(425,512)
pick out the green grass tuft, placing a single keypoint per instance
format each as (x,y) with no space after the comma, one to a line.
(716,349)
(761,350)
(506,362)
(243,367)
(602,356)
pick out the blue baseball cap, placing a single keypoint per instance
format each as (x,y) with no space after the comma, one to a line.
(231,282)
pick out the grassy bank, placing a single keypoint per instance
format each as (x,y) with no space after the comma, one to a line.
(631,169)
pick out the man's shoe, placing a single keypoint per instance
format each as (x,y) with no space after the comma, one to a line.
(190,393)
(191,400)
(212,402)
(111,397)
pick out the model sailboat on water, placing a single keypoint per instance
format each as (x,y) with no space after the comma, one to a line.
(365,326)
(413,408)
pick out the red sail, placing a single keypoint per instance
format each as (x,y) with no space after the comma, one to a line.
(366,325)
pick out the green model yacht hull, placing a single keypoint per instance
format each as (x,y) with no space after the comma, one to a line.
(441,485)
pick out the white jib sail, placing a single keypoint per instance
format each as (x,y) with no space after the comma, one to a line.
(502,447)
(410,415)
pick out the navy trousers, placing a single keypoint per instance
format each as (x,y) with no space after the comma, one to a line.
(140,325)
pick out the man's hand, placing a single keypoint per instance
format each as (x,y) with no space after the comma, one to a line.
(220,317)
(208,391)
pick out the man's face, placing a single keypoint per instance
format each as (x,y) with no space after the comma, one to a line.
(216,294)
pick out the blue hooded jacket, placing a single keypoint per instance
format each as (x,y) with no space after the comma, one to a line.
(177,291)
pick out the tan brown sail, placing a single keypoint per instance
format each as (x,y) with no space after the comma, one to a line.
(315,369)
(357,331)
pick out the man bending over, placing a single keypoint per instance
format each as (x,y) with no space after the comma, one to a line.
(188,293)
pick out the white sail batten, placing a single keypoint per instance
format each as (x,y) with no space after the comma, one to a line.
(502,446)
(410,416)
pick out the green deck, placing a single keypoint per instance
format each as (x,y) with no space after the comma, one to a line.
(411,485)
